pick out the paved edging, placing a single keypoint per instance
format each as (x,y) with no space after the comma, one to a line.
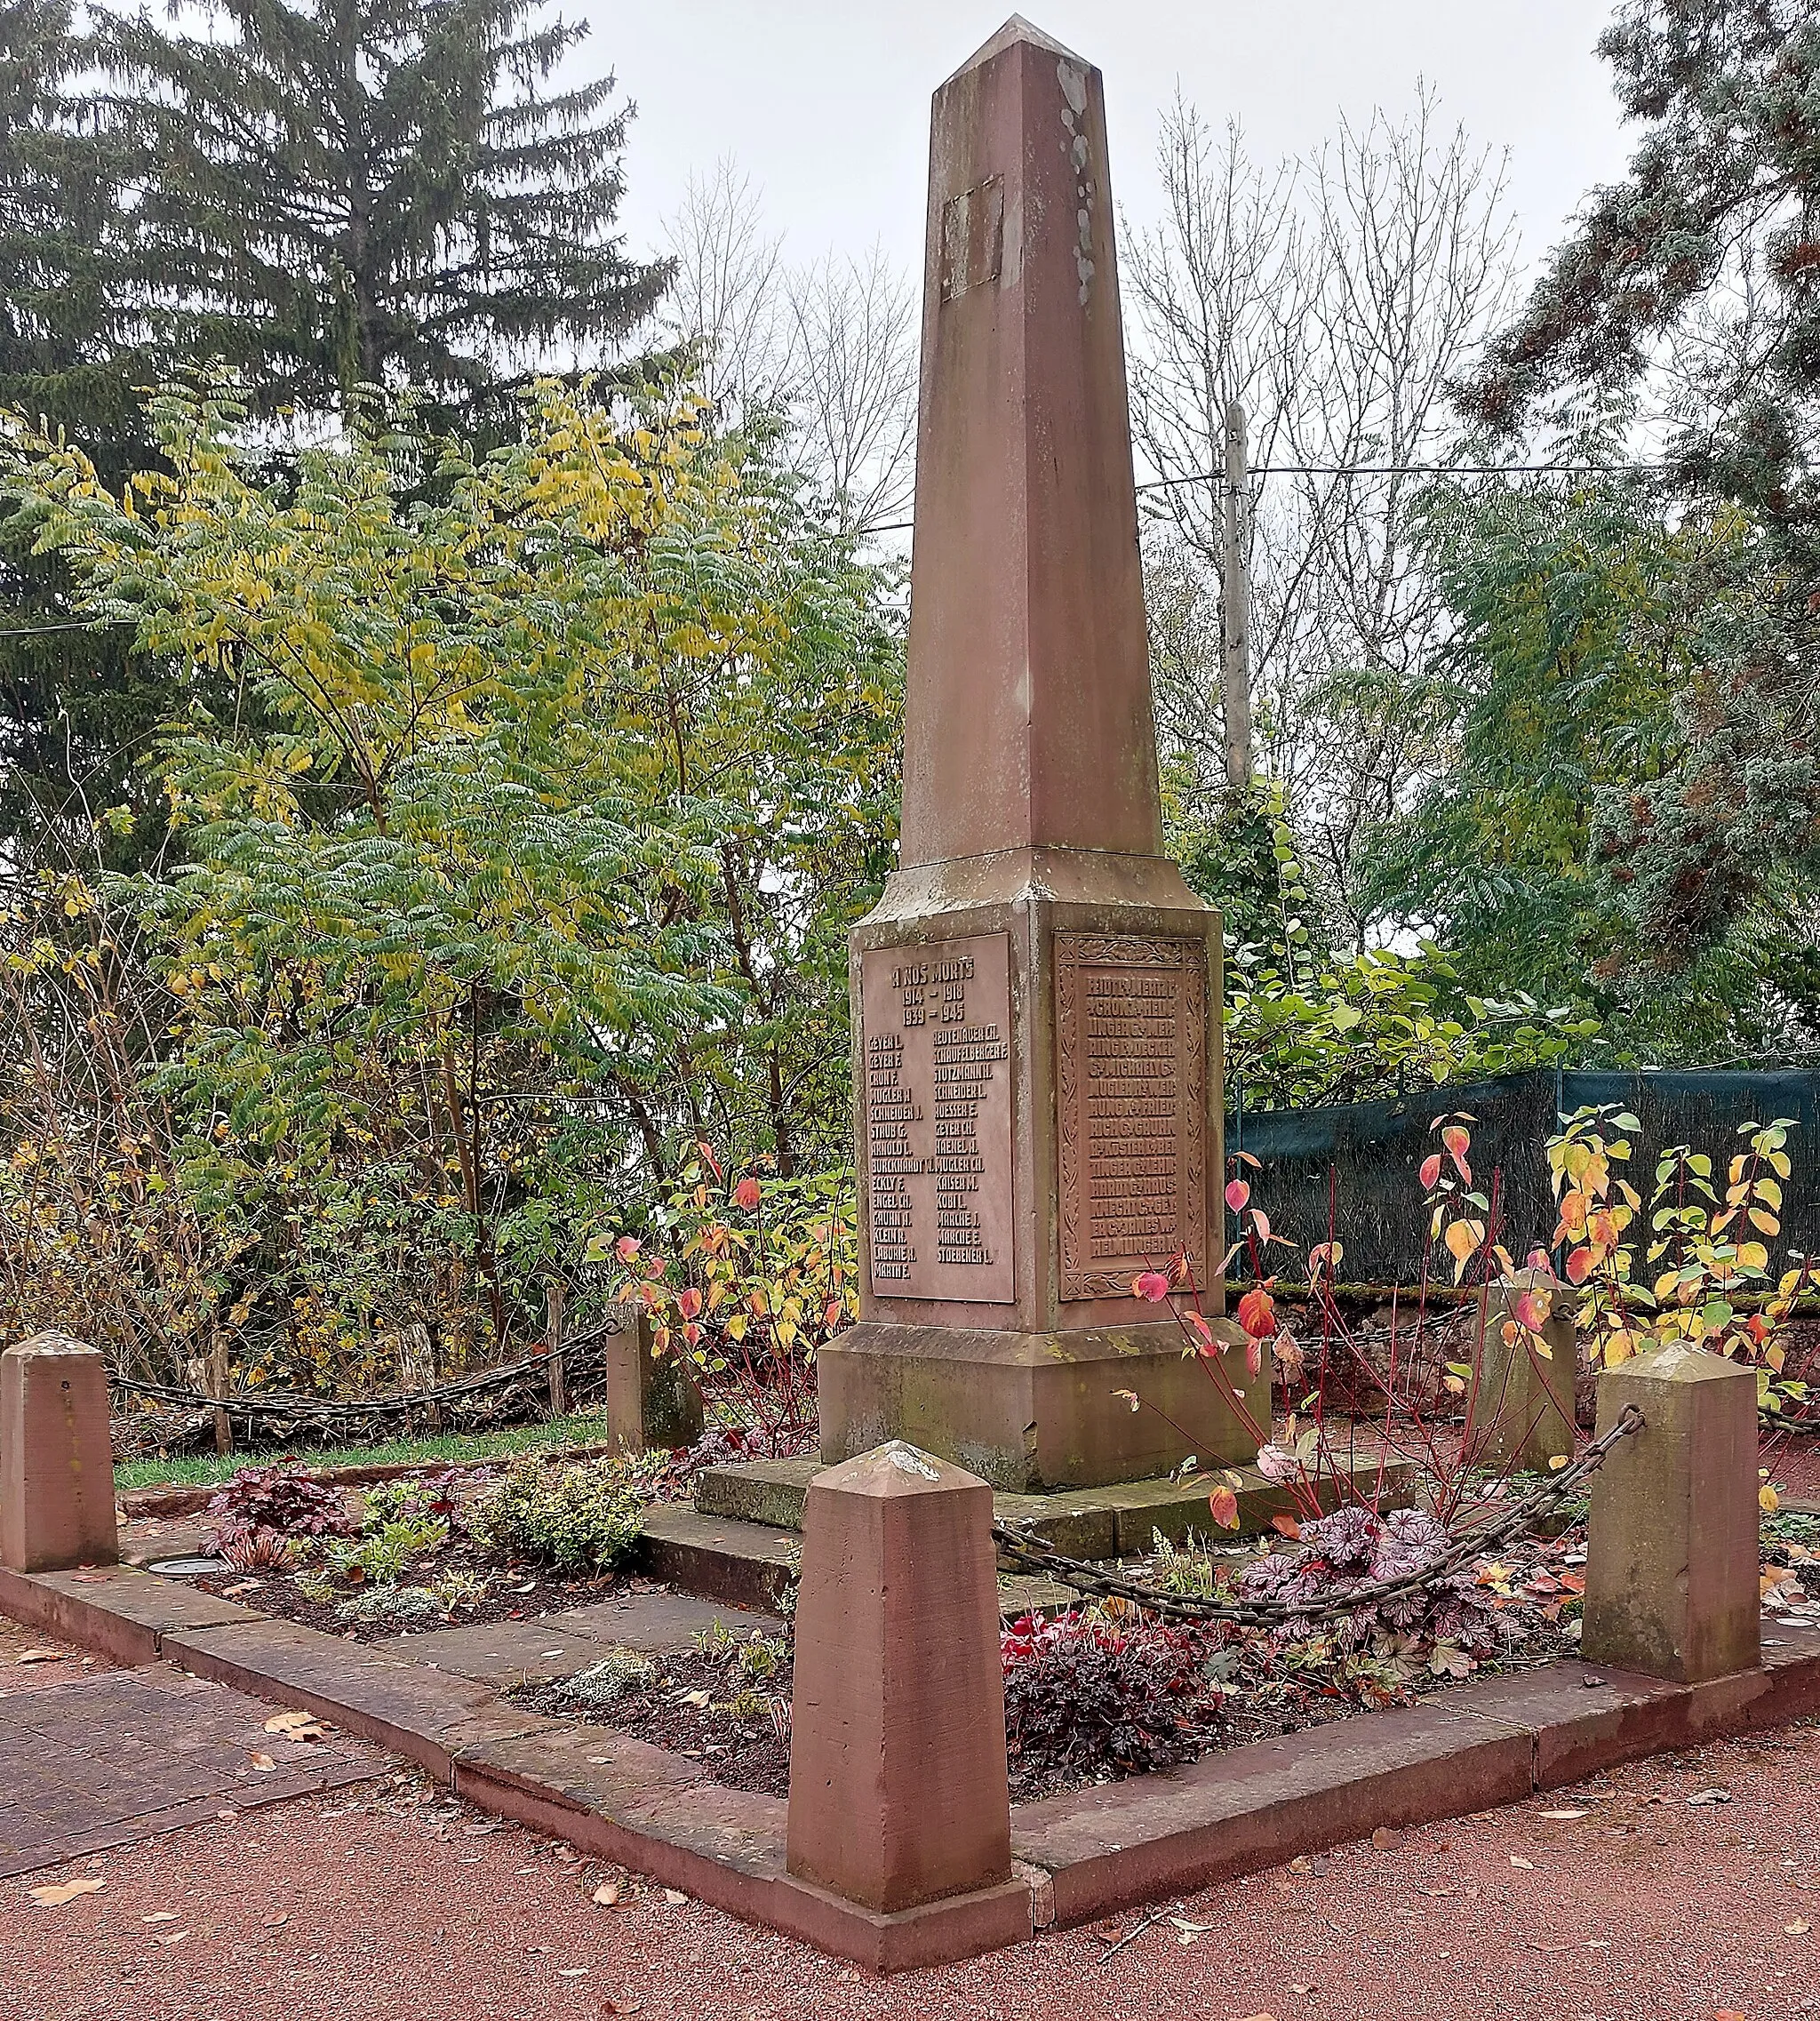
(1109,1847)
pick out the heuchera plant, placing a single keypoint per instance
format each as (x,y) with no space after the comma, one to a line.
(280,1497)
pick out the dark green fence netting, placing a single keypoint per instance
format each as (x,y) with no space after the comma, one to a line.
(1351,1169)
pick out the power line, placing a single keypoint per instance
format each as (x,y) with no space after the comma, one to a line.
(1365,470)
(44,631)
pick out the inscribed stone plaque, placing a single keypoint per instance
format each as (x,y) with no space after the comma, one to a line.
(1131,1097)
(936,1029)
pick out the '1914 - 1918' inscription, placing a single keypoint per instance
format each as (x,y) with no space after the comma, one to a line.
(936,1026)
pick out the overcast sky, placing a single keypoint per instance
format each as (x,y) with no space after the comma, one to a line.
(824,103)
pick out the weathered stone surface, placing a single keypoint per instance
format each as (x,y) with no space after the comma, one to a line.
(1671,1561)
(56,1459)
(1522,1405)
(1036,995)
(1116,1520)
(899,1791)
(1110,1846)
(651,1402)
(1030,1411)
(742,1563)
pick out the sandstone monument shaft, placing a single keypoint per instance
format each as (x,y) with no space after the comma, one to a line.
(1035,997)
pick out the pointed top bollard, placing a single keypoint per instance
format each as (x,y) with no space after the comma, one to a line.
(900,1793)
(1671,1553)
(56,1457)
(1027,717)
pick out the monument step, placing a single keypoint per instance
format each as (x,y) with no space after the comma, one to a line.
(1088,1522)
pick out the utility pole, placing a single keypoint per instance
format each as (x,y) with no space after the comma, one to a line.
(1235,660)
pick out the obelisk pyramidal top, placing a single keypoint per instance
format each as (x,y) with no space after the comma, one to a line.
(1027,712)
(1035,996)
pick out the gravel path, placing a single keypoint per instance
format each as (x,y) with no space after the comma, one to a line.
(401,1905)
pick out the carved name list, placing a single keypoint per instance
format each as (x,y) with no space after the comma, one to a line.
(1132,1092)
(936,1026)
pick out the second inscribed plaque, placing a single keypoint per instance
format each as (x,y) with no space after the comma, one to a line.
(1132,1101)
(935,1041)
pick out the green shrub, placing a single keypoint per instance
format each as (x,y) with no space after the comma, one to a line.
(379,1557)
(586,1517)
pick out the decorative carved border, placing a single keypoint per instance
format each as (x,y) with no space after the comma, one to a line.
(1076,951)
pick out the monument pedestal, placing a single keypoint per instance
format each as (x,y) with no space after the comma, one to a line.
(1036,998)
(1038,1053)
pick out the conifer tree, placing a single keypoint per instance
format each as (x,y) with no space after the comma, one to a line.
(69,705)
(339,192)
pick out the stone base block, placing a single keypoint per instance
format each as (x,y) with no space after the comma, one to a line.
(1522,1403)
(1671,1554)
(56,1457)
(651,1402)
(1029,1412)
(898,1789)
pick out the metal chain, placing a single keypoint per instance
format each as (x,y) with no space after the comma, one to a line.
(1085,1577)
(294,1404)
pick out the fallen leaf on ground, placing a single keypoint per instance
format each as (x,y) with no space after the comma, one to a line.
(607,1894)
(276,1922)
(1517,1859)
(674,1895)
(57,1893)
(40,1656)
(1563,1814)
(264,1763)
(160,1915)
(290,1722)
(1711,1796)
(574,1972)
(1385,1837)
(175,1937)
(1796,1928)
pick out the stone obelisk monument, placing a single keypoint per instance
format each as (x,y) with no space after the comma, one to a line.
(1036,995)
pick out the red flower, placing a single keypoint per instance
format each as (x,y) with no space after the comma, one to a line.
(1258,1314)
(1152,1286)
(746,1194)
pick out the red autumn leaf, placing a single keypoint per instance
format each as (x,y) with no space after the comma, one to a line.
(1224,1506)
(1258,1314)
(688,1302)
(1579,1265)
(1431,1171)
(831,1318)
(1254,1355)
(627,1248)
(746,1194)
(1237,1194)
(1208,1345)
(1260,1220)
(1286,1526)
(1532,1310)
(1152,1286)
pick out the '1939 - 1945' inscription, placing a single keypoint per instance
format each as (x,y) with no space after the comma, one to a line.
(936,1026)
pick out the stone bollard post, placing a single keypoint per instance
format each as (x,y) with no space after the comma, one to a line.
(898,1793)
(1523,1413)
(652,1400)
(1672,1559)
(56,1457)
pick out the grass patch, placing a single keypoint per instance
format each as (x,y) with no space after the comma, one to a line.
(200,1470)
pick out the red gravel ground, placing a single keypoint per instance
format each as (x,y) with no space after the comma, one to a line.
(393,1904)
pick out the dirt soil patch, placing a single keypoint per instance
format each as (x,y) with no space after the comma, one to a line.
(515,1592)
(688,1706)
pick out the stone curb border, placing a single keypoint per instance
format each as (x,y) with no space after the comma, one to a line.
(1086,1854)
